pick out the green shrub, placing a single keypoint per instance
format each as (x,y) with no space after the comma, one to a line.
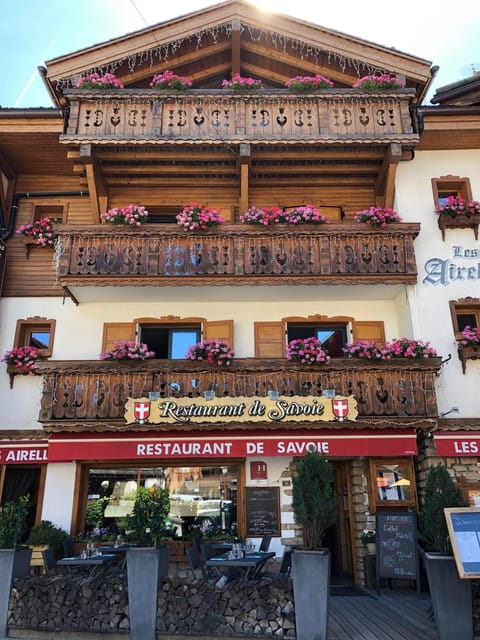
(13,522)
(45,532)
(440,493)
(314,500)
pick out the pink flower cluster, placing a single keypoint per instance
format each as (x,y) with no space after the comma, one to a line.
(308,83)
(24,358)
(470,337)
(212,351)
(132,215)
(307,214)
(307,351)
(96,81)
(398,348)
(377,217)
(127,350)
(382,81)
(169,80)
(41,231)
(455,206)
(239,83)
(197,216)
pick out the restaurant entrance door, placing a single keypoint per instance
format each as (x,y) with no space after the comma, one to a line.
(338,536)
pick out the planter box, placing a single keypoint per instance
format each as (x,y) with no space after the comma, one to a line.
(446,222)
(311,587)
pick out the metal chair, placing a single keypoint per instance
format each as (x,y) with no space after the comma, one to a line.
(265,543)
(68,549)
(49,561)
(195,562)
(285,568)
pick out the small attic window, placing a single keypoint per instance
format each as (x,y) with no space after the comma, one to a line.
(446,186)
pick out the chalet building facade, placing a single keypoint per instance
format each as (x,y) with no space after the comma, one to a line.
(224,439)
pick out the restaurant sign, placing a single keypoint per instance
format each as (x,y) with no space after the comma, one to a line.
(240,409)
(20,452)
(134,446)
(457,444)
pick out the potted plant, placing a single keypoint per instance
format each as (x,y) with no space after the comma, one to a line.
(469,345)
(451,596)
(379,82)
(309,83)
(133,215)
(315,506)
(457,213)
(127,350)
(168,80)
(377,217)
(40,232)
(42,536)
(239,84)
(14,559)
(96,81)
(369,540)
(211,351)
(22,360)
(198,217)
(148,562)
(307,351)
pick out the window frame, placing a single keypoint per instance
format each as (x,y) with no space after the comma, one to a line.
(170,322)
(464,305)
(25,327)
(454,185)
(375,504)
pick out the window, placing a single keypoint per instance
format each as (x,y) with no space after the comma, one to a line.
(163,215)
(450,186)
(35,332)
(57,212)
(465,312)
(169,341)
(200,496)
(333,336)
(392,484)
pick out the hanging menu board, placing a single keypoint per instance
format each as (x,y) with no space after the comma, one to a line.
(464,530)
(263,511)
(397,555)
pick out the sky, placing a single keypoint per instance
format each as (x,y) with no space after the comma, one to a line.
(34,31)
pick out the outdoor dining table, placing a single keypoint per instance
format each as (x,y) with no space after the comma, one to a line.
(250,564)
(91,563)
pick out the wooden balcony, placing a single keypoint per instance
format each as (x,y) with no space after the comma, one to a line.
(94,393)
(216,116)
(343,253)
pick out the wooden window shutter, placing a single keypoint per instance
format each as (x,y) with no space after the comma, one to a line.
(269,340)
(220,330)
(369,330)
(113,331)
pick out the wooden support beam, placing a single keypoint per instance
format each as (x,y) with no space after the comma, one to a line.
(96,185)
(385,183)
(245,157)
(236,36)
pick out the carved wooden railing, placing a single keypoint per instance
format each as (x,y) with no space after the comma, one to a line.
(343,115)
(236,254)
(96,391)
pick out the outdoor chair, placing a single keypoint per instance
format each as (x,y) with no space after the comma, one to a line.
(207,551)
(68,549)
(50,562)
(284,569)
(195,562)
(265,543)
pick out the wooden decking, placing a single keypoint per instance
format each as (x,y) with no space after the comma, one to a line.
(393,615)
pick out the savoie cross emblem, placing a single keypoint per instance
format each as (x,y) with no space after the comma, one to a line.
(340,409)
(141,411)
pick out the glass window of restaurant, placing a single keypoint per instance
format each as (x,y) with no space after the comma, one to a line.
(201,497)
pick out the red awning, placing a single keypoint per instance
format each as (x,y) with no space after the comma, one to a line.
(23,451)
(148,446)
(453,444)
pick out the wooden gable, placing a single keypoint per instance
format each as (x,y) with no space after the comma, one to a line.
(234,36)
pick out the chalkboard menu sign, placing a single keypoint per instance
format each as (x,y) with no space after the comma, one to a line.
(263,511)
(464,529)
(396,539)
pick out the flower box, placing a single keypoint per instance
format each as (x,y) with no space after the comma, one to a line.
(445,221)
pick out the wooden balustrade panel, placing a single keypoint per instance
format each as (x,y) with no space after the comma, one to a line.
(317,252)
(267,115)
(389,392)
(368,254)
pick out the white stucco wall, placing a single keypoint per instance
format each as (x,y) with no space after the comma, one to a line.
(430,297)
(58,496)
